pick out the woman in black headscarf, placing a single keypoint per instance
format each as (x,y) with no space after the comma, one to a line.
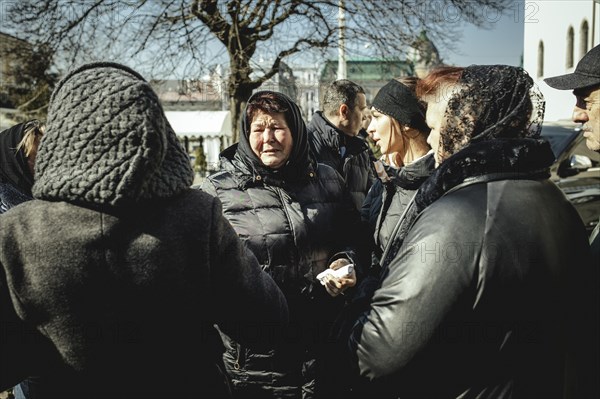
(295,216)
(477,285)
(18,149)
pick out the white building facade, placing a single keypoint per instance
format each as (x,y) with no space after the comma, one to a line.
(214,127)
(307,80)
(557,35)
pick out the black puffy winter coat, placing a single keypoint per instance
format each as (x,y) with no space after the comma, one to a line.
(355,165)
(480,294)
(294,220)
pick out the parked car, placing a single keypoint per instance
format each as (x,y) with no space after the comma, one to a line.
(576,171)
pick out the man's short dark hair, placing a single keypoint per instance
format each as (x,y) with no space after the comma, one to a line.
(340,92)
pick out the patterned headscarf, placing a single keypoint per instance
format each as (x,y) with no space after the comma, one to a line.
(493,101)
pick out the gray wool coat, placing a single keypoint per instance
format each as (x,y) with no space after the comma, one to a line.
(112,280)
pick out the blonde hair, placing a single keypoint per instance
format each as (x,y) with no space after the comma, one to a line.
(403,135)
(396,134)
(32,134)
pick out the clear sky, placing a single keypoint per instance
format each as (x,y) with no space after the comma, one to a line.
(500,43)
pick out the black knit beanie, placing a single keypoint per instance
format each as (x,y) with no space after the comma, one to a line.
(398,101)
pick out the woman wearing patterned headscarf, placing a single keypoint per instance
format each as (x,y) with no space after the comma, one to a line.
(477,285)
(296,217)
(18,149)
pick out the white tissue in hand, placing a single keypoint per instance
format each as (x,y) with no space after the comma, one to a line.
(343,271)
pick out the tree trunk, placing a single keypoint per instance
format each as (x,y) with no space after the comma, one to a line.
(237,107)
(238,99)
(240,50)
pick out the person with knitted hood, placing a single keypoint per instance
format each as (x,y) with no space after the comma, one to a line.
(297,218)
(18,149)
(483,282)
(112,278)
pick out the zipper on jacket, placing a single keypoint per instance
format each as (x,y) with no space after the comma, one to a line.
(286,201)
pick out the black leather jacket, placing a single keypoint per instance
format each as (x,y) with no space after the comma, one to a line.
(481,297)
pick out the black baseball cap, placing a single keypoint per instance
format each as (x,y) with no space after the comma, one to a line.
(586,74)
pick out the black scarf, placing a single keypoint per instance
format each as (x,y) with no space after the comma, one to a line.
(411,176)
(298,167)
(14,169)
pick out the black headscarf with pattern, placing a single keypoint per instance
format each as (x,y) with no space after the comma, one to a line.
(492,101)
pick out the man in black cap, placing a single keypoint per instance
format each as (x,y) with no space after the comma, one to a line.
(585,83)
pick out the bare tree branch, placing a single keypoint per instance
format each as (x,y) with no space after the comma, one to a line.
(179,35)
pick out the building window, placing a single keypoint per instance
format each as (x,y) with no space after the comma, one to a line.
(540,65)
(570,39)
(583,42)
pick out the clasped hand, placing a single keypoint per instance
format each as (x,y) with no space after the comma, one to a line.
(336,286)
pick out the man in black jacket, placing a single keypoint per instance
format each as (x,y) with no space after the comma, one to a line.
(333,137)
(585,83)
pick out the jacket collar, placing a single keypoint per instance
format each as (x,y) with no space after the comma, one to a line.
(520,158)
(333,137)
(497,159)
(233,161)
(411,176)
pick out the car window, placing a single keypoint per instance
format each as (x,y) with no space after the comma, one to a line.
(582,149)
(558,137)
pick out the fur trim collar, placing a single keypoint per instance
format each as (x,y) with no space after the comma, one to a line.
(506,159)
(520,158)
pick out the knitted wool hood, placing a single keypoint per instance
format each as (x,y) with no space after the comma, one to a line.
(108,142)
